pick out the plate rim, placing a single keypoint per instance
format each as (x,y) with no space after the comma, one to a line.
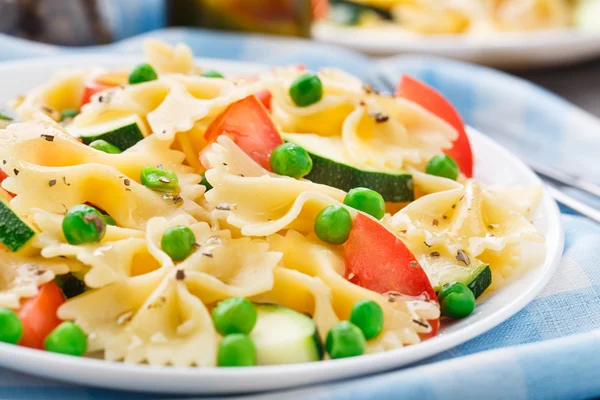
(119,375)
(581,44)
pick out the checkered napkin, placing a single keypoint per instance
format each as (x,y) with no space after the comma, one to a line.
(550,349)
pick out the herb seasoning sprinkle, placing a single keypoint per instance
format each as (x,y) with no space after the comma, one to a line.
(127,182)
(435,222)
(180,275)
(16,171)
(421,323)
(49,138)
(434,254)
(462,256)
(52,182)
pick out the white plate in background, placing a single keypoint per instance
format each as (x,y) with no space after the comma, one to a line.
(495,165)
(501,50)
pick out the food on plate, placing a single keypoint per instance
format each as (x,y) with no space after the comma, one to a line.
(169,215)
(471,17)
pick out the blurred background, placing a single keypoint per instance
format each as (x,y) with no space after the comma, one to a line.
(555,43)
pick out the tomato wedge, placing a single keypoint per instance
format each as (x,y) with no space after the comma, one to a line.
(378,260)
(432,100)
(91,88)
(265,98)
(248,124)
(38,315)
(3,176)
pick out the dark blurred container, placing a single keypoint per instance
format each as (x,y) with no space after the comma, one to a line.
(80,22)
(286,17)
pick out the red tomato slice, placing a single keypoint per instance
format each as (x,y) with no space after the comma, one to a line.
(91,88)
(265,97)
(3,176)
(378,260)
(248,124)
(38,315)
(429,98)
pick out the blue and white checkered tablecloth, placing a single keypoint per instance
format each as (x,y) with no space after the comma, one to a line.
(550,349)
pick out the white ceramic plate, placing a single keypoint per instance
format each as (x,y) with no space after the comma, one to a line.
(502,50)
(494,165)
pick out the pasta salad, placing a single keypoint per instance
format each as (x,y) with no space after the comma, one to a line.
(165,214)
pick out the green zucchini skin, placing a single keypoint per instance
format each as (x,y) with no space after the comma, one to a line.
(14,232)
(481,281)
(123,137)
(393,188)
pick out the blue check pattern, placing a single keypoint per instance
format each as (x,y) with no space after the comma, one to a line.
(550,349)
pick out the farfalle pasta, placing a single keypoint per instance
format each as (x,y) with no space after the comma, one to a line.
(161,215)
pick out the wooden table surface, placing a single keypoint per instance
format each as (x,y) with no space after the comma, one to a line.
(580,84)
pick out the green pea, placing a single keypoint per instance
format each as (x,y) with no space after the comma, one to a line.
(205,183)
(456,300)
(11,328)
(367,201)
(178,242)
(444,166)
(103,145)
(68,113)
(67,338)
(212,74)
(368,316)
(158,179)
(83,224)
(306,90)
(142,73)
(345,339)
(108,220)
(289,159)
(236,350)
(234,315)
(333,225)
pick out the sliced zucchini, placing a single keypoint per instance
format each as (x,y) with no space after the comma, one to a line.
(284,336)
(477,279)
(15,233)
(333,168)
(122,133)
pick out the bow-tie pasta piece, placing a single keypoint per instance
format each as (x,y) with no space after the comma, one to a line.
(258,202)
(121,253)
(20,277)
(405,318)
(467,227)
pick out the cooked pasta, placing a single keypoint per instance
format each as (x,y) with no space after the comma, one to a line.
(183,231)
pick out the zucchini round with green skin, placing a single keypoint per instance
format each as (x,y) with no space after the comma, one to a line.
(15,233)
(476,279)
(122,133)
(284,336)
(331,167)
